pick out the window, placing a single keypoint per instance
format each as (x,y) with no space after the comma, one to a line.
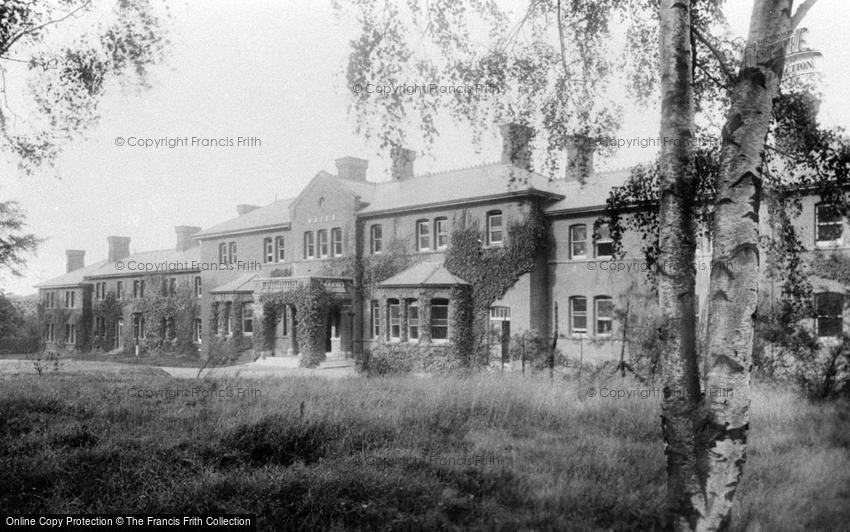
(50,299)
(138,326)
(578,241)
(284,327)
(604,243)
(138,288)
(197,330)
(217,318)
(198,287)
(578,315)
(281,256)
(376,319)
(99,290)
(336,242)
(829,224)
(119,289)
(247,318)
(172,286)
(412,320)
(309,249)
(829,307)
(232,258)
(70,298)
(394,315)
(604,315)
(70,333)
(376,241)
(441,233)
(228,323)
(222,253)
(494,228)
(268,250)
(423,235)
(49,332)
(322,238)
(439,319)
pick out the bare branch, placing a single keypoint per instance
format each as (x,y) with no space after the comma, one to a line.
(715,52)
(38,28)
(800,14)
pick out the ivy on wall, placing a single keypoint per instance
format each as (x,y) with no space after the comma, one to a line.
(312,304)
(159,307)
(224,348)
(491,271)
(111,309)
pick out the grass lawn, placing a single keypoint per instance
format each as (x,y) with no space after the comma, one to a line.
(489,452)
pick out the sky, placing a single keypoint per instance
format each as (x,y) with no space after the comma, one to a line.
(274,71)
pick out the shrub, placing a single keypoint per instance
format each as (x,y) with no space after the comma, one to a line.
(534,347)
(395,359)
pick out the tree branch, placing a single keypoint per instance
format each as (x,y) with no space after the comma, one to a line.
(800,14)
(35,29)
(715,52)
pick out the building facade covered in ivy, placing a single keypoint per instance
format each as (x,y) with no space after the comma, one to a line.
(453,264)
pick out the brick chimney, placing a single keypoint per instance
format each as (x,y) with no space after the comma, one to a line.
(352,168)
(119,247)
(184,236)
(243,208)
(75,259)
(516,145)
(580,150)
(402,164)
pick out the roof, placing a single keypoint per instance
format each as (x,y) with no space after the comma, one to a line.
(423,274)
(243,283)
(592,194)
(455,186)
(73,278)
(272,215)
(165,261)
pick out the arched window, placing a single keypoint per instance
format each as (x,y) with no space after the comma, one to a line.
(495,234)
(578,241)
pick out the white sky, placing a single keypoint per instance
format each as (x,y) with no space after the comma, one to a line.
(273,70)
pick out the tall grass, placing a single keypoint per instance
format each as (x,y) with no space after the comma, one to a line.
(482,452)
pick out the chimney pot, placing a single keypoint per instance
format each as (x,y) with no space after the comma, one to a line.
(516,144)
(243,208)
(119,247)
(580,150)
(352,168)
(184,236)
(402,163)
(75,259)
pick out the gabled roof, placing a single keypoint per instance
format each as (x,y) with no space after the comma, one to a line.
(424,274)
(275,214)
(476,183)
(243,283)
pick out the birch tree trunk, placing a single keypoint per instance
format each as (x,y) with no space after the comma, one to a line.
(675,262)
(733,288)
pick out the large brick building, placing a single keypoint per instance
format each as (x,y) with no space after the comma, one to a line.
(343,220)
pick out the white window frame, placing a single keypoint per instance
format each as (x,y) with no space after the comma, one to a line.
(440,323)
(441,232)
(322,243)
(280,248)
(818,224)
(413,326)
(491,241)
(578,331)
(606,240)
(197,330)
(393,321)
(574,241)
(247,317)
(423,235)
(309,245)
(199,287)
(375,312)
(336,242)
(376,244)
(231,248)
(598,319)
(268,250)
